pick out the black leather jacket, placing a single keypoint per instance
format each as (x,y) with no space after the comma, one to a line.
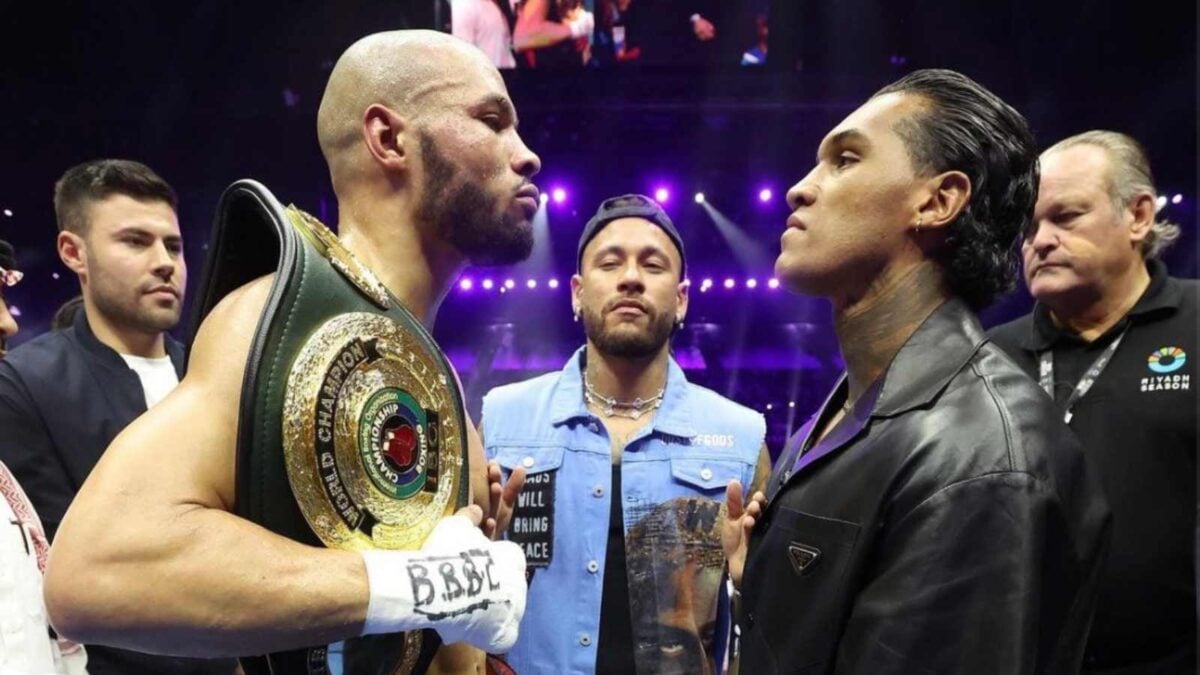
(951,527)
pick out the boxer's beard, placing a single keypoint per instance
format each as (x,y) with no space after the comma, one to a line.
(474,222)
(627,341)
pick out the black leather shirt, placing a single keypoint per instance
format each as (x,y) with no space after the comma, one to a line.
(950,524)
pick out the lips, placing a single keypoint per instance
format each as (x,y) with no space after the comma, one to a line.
(794,222)
(174,292)
(1050,265)
(529,190)
(629,306)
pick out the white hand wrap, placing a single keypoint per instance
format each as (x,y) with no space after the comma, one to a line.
(462,585)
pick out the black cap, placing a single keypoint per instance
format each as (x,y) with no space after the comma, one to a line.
(630,206)
(8,257)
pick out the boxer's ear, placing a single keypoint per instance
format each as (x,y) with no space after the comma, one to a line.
(384,134)
(946,195)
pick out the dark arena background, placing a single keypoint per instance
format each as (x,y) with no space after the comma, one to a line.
(207,92)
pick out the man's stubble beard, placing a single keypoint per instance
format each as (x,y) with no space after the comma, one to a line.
(630,345)
(472,220)
(108,301)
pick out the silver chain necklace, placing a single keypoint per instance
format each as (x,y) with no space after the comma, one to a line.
(611,407)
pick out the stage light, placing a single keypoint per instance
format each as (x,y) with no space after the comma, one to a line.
(465,283)
(559,195)
(773,283)
(487,284)
(1174,200)
(532,283)
(503,289)
(509,283)
(8,212)
(1160,202)
(662,195)
(752,283)
(54,276)
(791,404)
(553,283)
(730,283)
(764,195)
(769,406)
(543,198)
(699,197)
(14,310)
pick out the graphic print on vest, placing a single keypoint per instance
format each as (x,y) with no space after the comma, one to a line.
(533,519)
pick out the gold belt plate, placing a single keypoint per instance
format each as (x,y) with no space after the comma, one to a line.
(371,435)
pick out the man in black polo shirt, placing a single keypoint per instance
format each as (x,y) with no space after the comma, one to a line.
(1113,339)
(65,395)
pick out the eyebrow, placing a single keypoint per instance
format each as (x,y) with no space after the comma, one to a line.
(844,137)
(141,231)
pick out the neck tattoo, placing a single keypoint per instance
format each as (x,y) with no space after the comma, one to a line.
(611,407)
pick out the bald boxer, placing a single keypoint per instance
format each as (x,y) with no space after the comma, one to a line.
(430,174)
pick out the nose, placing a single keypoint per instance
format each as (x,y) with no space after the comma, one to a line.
(165,261)
(525,161)
(802,193)
(631,279)
(1044,239)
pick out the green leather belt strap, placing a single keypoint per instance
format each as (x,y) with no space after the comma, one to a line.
(253,236)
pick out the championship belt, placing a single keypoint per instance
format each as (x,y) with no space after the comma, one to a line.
(352,433)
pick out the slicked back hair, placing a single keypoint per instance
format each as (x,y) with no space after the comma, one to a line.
(964,127)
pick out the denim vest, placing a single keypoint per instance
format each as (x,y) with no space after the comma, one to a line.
(673,477)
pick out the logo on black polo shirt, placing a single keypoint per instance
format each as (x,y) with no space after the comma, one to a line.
(1164,362)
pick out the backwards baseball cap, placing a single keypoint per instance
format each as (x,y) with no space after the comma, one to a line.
(9,275)
(630,206)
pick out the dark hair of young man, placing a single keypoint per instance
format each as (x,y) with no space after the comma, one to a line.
(99,179)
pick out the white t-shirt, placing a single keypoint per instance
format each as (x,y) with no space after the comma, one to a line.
(157,375)
(481,23)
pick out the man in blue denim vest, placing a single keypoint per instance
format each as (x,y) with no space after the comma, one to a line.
(626,465)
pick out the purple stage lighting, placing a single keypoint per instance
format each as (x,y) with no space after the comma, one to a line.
(559,195)
(662,195)
(773,283)
(487,284)
(752,283)
(532,283)
(764,195)
(730,283)
(1177,199)
(553,283)
(465,283)
(509,283)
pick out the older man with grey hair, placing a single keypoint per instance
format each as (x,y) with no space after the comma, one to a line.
(1110,339)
